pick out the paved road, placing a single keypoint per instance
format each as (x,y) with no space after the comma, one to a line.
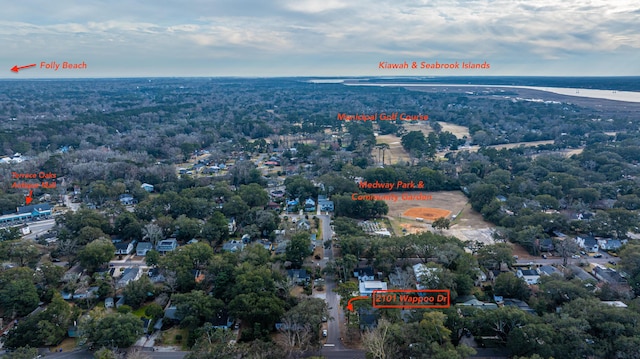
(39,227)
(334,347)
(558,260)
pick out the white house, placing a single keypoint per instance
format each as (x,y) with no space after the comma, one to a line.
(368,286)
(587,243)
(531,276)
(124,247)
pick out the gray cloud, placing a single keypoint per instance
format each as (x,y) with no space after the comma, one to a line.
(310,37)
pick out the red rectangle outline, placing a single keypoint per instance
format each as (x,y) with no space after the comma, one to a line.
(447,291)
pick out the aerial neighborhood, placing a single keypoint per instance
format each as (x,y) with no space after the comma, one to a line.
(239,218)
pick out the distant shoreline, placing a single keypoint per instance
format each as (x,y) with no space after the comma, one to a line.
(623,96)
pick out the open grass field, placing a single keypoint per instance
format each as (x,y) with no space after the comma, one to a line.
(395,154)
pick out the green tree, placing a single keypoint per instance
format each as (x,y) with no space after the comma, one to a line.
(492,255)
(298,249)
(195,307)
(112,330)
(96,254)
(187,228)
(216,229)
(90,234)
(136,292)
(18,297)
(154,311)
(254,195)
(152,258)
(23,353)
(441,223)
(9,234)
(235,207)
(508,285)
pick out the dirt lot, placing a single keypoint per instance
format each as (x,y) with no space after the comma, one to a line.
(429,214)
(452,201)
(467,226)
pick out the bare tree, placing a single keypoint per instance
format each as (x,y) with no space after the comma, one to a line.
(401,278)
(566,248)
(377,341)
(153,233)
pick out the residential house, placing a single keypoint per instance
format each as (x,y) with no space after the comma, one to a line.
(368,318)
(299,276)
(368,286)
(472,301)
(510,302)
(608,275)
(155,275)
(549,270)
(480,277)
(120,301)
(304,225)
(325,204)
(109,302)
(127,199)
(222,320)
(581,273)
(232,226)
(531,276)
(129,275)
(167,245)
(281,248)
(233,246)
(266,244)
(546,245)
(309,205)
(88,293)
(587,243)
(614,303)
(609,244)
(147,187)
(171,313)
(364,273)
(292,205)
(124,247)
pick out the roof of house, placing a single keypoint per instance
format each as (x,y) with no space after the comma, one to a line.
(510,302)
(529,272)
(549,270)
(363,271)
(297,273)
(473,302)
(40,207)
(144,245)
(122,245)
(129,274)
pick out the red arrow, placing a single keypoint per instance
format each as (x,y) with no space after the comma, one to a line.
(350,305)
(30,197)
(18,68)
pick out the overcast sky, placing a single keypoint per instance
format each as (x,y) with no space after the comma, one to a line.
(123,38)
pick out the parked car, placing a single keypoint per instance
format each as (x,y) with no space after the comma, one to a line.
(575,256)
(324,333)
(597,255)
